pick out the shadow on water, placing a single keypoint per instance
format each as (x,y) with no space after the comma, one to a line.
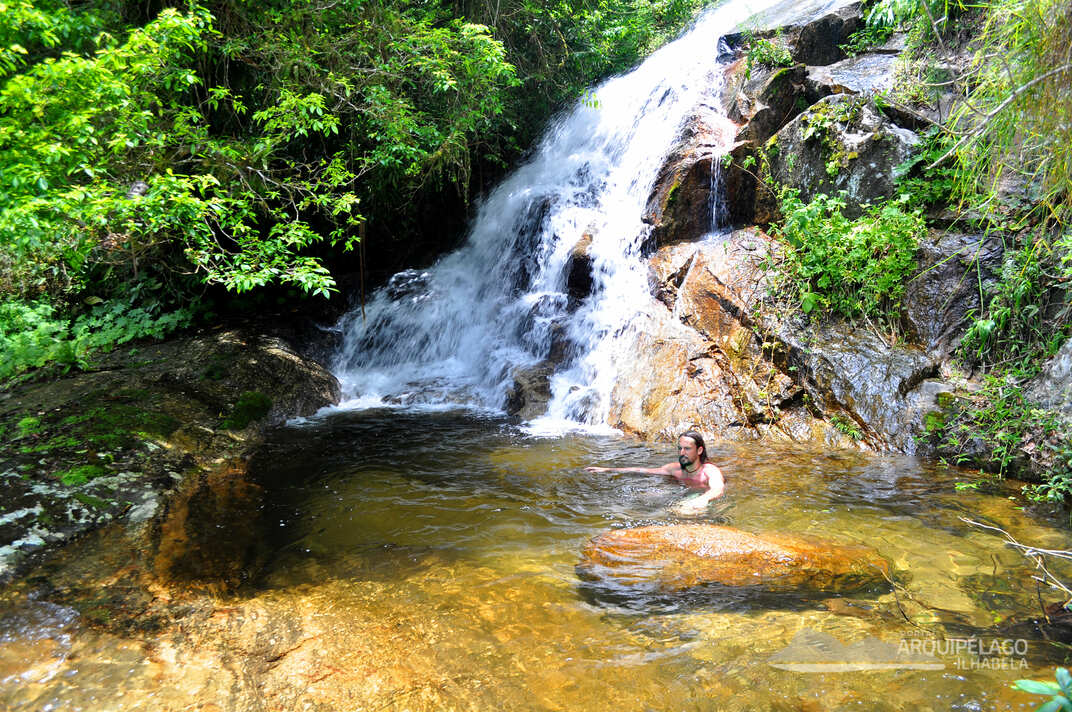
(312,476)
(709,598)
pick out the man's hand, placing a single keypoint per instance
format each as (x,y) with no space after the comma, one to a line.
(598,469)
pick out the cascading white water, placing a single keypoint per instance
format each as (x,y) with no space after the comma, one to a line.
(458,332)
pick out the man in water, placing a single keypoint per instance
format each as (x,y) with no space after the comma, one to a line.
(692,470)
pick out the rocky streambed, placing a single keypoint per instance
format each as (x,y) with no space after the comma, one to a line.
(142,437)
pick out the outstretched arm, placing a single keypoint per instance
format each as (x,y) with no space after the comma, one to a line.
(664,470)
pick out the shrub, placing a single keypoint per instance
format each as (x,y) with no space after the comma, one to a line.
(848,267)
(32,335)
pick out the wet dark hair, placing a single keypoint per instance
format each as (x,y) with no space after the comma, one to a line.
(698,439)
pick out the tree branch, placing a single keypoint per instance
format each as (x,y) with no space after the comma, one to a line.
(1000,107)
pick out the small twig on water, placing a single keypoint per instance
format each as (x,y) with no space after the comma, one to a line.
(1037,555)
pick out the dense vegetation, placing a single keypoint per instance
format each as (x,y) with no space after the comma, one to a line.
(1002,161)
(151,149)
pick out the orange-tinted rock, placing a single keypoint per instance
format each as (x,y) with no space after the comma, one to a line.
(678,557)
(700,363)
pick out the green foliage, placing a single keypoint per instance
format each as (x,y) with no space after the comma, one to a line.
(763,52)
(28,426)
(995,427)
(1026,315)
(250,406)
(1059,692)
(846,427)
(111,163)
(33,335)
(34,29)
(866,38)
(1000,416)
(848,267)
(80,474)
(1016,126)
(924,186)
(91,501)
(933,16)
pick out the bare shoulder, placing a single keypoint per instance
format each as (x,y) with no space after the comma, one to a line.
(712,471)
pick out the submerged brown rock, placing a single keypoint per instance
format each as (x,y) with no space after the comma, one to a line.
(677,557)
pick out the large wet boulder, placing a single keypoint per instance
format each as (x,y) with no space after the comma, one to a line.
(681,204)
(871,386)
(677,557)
(813,30)
(694,358)
(842,143)
(867,74)
(579,270)
(768,99)
(714,351)
(531,391)
(126,442)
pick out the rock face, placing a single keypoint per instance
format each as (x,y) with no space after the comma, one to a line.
(713,350)
(813,29)
(674,558)
(839,144)
(856,373)
(945,290)
(764,102)
(131,441)
(1053,387)
(708,368)
(681,206)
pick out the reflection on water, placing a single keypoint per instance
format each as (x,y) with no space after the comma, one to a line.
(426,562)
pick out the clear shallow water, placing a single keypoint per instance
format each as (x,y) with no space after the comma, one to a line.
(469,530)
(425,561)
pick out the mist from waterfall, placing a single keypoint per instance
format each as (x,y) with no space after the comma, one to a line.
(458,332)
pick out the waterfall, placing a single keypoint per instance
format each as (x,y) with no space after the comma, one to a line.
(458,332)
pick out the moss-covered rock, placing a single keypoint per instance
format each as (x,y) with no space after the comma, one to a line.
(840,144)
(115,444)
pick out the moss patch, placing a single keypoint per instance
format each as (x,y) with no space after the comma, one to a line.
(251,406)
(81,474)
(91,501)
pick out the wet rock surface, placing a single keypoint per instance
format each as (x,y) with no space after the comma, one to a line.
(714,352)
(676,557)
(945,290)
(839,144)
(121,443)
(814,29)
(530,392)
(681,206)
(866,74)
(766,101)
(857,373)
